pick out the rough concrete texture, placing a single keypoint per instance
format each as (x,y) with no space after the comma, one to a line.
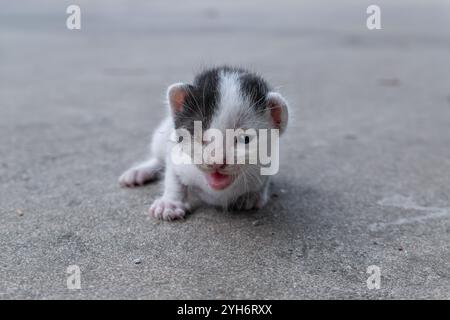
(365,177)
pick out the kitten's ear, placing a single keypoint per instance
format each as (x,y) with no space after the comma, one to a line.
(176,96)
(278,110)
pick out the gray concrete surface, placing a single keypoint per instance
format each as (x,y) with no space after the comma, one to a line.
(365,177)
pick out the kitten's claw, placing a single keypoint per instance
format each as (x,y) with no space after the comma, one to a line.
(165,209)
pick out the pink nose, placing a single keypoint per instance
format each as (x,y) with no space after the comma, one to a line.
(217,166)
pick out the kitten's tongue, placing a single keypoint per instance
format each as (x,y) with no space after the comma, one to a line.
(218,181)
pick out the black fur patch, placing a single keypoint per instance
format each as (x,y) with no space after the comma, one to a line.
(201,101)
(204,96)
(256,89)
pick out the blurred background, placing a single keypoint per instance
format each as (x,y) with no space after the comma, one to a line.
(365,177)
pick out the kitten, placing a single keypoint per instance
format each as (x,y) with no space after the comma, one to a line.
(221,98)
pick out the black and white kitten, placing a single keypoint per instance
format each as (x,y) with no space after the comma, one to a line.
(221,98)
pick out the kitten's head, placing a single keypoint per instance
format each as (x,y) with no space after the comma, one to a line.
(221,99)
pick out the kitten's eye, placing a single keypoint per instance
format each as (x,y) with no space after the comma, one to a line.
(244,138)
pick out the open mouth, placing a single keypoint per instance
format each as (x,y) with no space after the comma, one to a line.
(219,181)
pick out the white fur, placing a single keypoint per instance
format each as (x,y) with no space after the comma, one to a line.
(249,189)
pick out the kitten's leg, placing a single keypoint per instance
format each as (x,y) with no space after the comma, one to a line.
(172,205)
(263,197)
(141,173)
(151,169)
(253,200)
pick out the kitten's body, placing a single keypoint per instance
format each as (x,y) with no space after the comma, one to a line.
(222,98)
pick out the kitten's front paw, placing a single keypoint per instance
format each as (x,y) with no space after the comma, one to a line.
(135,177)
(165,209)
(250,201)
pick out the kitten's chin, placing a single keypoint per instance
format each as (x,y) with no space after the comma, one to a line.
(219,181)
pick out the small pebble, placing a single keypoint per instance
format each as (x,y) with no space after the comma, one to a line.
(137,261)
(257,223)
(19,212)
